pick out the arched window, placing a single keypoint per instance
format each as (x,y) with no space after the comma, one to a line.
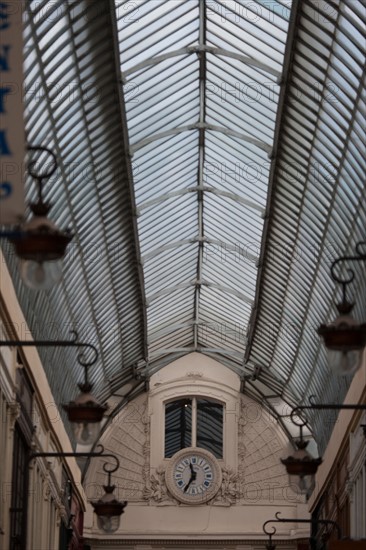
(194,422)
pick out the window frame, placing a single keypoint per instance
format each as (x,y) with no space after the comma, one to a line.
(194,398)
(18,510)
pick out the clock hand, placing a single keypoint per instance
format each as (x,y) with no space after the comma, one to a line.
(188,484)
(192,478)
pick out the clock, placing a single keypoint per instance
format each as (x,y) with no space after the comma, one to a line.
(193,476)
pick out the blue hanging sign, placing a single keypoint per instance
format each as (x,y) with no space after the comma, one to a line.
(12,146)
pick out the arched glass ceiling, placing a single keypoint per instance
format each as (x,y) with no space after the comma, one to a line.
(201,92)
(210,173)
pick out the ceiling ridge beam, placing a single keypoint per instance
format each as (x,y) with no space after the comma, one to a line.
(201,163)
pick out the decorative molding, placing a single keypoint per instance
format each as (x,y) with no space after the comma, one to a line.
(229,491)
(47,491)
(148,481)
(186,454)
(228,494)
(167,544)
(349,487)
(7,384)
(14,413)
(242,450)
(357,451)
(156,491)
(61,512)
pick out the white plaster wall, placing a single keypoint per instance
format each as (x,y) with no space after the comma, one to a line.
(256,485)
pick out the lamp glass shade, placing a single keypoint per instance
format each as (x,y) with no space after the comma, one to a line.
(302,484)
(41,247)
(85,415)
(109,510)
(301,468)
(86,433)
(39,275)
(344,363)
(108,524)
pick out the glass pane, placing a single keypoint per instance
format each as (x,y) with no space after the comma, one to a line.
(178,426)
(210,426)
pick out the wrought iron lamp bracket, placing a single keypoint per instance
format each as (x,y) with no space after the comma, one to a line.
(75,454)
(359,256)
(41,208)
(74,342)
(270,544)
(80,454)
(325,406)
(110,471)
(312,521)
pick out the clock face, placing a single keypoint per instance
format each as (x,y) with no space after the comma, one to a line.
(193,476)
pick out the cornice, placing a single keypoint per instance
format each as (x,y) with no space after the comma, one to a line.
(166,543)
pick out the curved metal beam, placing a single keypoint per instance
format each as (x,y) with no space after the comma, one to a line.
(233,133)
(168,246)
(169,290)
(221,245)
(165,351)
(196,49)
(128,176)
(222,351)
(155,335)
(206,189)
(226,290)
(163,248)
(201,126)
(154,61)
(165,197)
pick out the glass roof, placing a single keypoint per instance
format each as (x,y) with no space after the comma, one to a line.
(201,95)
(211,165)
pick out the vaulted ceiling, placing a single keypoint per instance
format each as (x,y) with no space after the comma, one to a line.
(211,165)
